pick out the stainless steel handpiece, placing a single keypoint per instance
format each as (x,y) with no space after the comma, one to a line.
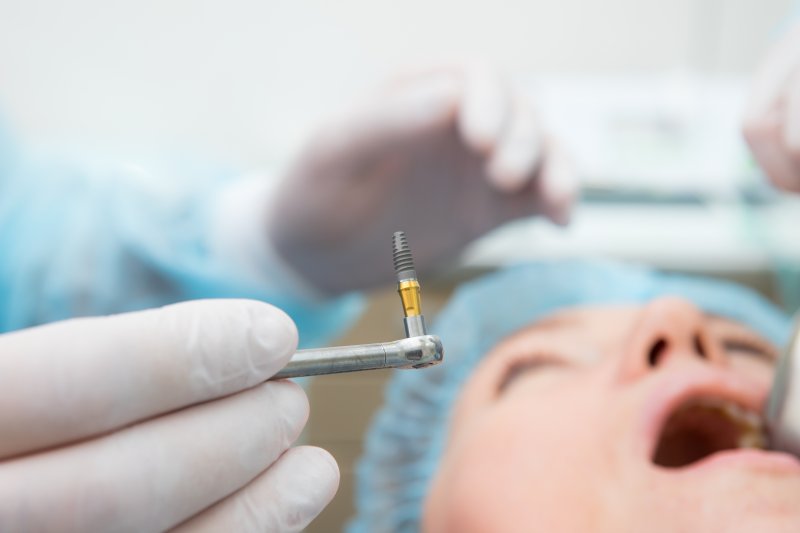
(414,352)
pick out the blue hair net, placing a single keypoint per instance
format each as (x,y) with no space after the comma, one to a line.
(407,437)
(92,236)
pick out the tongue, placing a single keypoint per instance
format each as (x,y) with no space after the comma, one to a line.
(694,433)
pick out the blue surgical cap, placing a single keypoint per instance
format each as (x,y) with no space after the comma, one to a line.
(407,437)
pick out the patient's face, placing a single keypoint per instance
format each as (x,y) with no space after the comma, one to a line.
(617,419)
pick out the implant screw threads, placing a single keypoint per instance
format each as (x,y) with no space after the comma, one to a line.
(408,286)
(401,253)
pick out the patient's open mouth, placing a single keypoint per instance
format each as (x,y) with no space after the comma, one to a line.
(700,427)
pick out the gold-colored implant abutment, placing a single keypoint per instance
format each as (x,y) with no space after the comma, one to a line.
(408,286)
(409,295)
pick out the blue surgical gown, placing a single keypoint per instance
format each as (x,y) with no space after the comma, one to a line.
(80,239)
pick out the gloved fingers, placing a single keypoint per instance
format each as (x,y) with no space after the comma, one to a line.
(771,116)
(485,107)
(73,379)
(768,149)
(769,143)
(558,186)
(772,76)
(472,94)
(764,135)
(285,498)
(154,475)
(399,113)
(417,73)
(516,158)
(412,108)
(767,89)
(791,135)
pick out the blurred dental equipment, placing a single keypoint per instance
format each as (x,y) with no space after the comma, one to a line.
(782,412)
(668,138)
(418,350)
(665,150)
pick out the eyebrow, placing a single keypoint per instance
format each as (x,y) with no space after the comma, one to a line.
(547,323)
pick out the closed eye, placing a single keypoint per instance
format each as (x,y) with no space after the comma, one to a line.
(740,340)
(522,367)
(743,347)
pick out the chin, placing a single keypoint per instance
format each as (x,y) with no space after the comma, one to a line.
(733,499)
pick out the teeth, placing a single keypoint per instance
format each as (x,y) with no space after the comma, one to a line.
(750,423)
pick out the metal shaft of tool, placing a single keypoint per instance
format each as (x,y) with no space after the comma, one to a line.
(782,411)
(414,352)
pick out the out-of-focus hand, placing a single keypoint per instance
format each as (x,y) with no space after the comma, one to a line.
(445,155)
(157,419)
(772,116)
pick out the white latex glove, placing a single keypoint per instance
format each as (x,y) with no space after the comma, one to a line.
(772,117)
(444,155)
(140,422)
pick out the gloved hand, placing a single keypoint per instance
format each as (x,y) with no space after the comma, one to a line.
(444,155)
(772,117)
(142,421)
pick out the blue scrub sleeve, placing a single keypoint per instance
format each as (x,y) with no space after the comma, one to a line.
(80,239)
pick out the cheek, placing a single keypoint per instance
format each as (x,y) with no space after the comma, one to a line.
(754,369)
(525,462)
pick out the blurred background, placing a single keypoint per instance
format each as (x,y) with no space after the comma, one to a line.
(646,93)
(246,79)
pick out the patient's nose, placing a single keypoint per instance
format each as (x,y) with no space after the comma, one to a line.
(668,329)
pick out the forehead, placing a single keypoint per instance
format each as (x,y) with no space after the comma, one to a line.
(604,321)
(584,329)
(599,318)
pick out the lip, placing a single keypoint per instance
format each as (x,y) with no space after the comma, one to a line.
(677,386)
(765,461)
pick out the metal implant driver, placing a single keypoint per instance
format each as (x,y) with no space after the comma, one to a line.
(418,350)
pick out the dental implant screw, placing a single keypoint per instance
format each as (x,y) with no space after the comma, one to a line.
(408,286)
(401,254)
